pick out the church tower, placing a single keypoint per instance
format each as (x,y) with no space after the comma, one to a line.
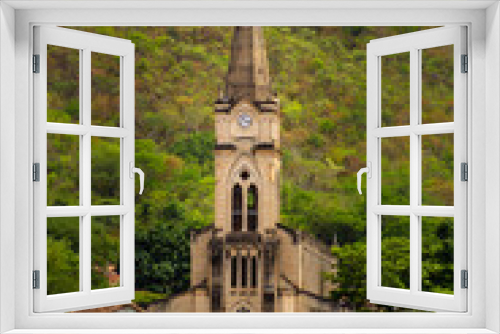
(247,157)
(247,261)
(247,166)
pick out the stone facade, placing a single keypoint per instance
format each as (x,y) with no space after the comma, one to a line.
(247,261)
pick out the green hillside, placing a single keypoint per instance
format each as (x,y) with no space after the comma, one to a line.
(319,74)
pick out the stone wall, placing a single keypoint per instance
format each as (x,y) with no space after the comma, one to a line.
(200,257)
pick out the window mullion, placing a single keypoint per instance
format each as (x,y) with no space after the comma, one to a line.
(420,129)
(418,155)
(86,168)
(414,169)
(81,248)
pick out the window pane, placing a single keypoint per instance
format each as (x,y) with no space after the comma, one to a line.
(252,197)
(437,254)
(437,169)
(234,271)
(395,170)
(63,170)
(244,271)
(105,252)
(437,84)
(396,252)
(395,90)
(63,84)
(254,272)
(105,89)
(237,198)
(105,171)
(252,222)
(252,208)
(237,206)
(63,260)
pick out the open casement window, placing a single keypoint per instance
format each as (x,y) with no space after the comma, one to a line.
(84,158)
(416,144)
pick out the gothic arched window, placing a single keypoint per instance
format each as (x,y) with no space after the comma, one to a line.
(244,271)
(252,208)
(254,272)
(237,206)
(234,271)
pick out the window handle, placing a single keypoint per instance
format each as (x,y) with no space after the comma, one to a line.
(368,171)
(141,175)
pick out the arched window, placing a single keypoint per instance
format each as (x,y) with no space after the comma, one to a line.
(244,271)
(252,208)
(234,271)
(254,272)
(237,205)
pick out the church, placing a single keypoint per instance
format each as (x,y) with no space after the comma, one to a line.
(247,261)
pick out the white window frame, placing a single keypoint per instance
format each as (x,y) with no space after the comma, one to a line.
(414,43)
(85,44)
(483,19)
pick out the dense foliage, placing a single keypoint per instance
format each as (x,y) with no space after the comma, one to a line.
(319,74)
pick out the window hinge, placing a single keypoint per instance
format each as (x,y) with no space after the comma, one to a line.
(36,63)
(36,279)
(465,279)
(464,172)
(36,172)
(465,63)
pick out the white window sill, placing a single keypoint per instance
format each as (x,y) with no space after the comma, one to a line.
(251,331)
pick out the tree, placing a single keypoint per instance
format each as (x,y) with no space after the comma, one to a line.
(162,257)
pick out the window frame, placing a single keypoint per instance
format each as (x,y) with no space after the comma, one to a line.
(86,44)
(483,50)
(415,210)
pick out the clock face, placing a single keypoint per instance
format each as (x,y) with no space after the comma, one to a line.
(244,120)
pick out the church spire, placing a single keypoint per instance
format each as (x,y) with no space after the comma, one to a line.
(248,74)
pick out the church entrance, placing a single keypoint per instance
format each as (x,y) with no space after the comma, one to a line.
(243,309)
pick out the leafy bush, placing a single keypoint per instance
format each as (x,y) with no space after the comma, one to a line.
(162,253)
